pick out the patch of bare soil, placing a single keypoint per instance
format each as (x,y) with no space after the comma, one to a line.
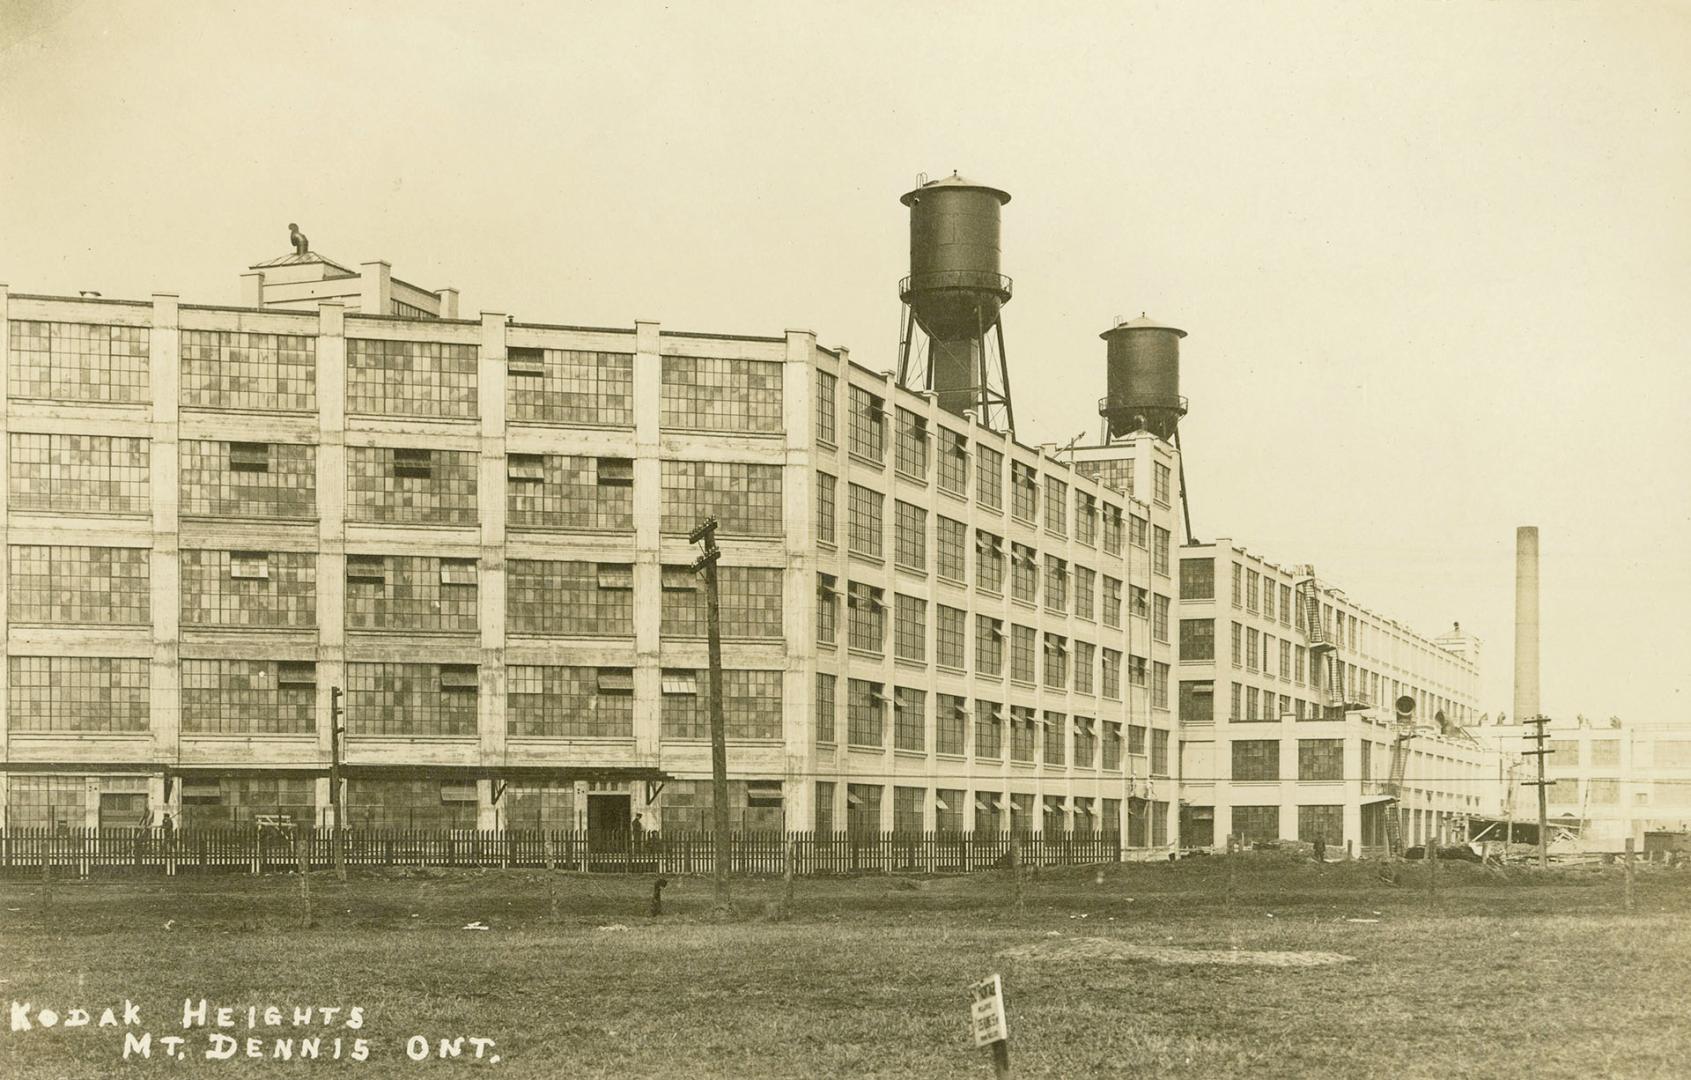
(1101,948)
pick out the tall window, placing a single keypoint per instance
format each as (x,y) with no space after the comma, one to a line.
(1159,685)
(989,645)
(1112,529)
(1110,673)
(1056,662)
(865,713)
(953,463)
(1021,653)
(1085,593)
(1253,590)
(989,478)
(912,456)
(1024,573)
(950,558)
(910,719)
(1112,601)
(824,709)
(1085,742)
(1056,506)
(1056,584)
(1159,617)
(1160,474)
(1024,492)
(1159,550)
(910,628)
(1055,738)
(827,394)
(948,636)
(1197,702)
(868,425)
(1085,659)
(989,730)
(1238,584)
(1159,752)
(827,610)
(864,521)
(1238,652)
(826,504)
(1086,518)
(910,536)
(989,561)
(1023,734)
(951,721)
(867,618)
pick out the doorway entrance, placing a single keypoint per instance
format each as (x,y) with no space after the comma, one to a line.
(608,817)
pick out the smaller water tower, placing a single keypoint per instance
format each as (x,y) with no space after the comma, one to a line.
(1142,379)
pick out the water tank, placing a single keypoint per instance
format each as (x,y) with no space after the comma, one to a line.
(1143,378)
(954,288)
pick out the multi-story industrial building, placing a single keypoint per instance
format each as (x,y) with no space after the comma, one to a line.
(1287,692)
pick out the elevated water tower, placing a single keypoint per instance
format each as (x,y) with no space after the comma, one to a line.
(952,339)
(1142,379)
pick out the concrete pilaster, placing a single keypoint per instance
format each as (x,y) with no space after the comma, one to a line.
(490,585)
(648,516)
(331,529)
(164,366)
(798,495)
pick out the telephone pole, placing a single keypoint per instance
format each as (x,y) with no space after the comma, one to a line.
(705,567)
(336,802)
(1538,737)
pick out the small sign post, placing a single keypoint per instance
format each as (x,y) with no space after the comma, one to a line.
(986,1017)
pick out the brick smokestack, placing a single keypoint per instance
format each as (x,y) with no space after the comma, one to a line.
(1526,623)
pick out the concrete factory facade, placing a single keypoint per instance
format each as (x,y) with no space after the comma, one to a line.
(477,529)
(1288,726)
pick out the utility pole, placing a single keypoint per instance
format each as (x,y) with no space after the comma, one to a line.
(705,566)
(336,802)
(1538,737)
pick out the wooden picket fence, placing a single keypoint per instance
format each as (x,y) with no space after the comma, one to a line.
(28,853)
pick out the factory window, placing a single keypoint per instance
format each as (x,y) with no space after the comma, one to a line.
(1137,532)
(250,372)
(690,805)
(1323,823)
(827,406)
(410,378)
(567,493)
(545,598)
(1085,593)
(1603,792)
(411,593)
(1197,702)
(1268,597)
(1112,529)
(751,704)
(254,589)
(1605,753)
(1256,759)
(1197,639)
(1085,658)
(824,709)
(543,806)
(865,713)
(745,499)
(989,645)
(866,617)
(1139,602)
(989,730)
(393,485)
(863,808)
(868,425)
(249,697)
(910,536)
(1024,492)
(1159,617)
(949,625)
(249,480)
(1239,585)
(59,361)
(715,394)
(1086,518)
(1021,654)
(411,699)
(951,721)
(570,387)
(989,478)
(1159,685)
(1253,649)
(94,586)
(1055,738)
(989,562)
(953,463)
(1238,645)
(410,804)
(1056,584)
(1085,743)
(1136,739)
(749,599)
(950,558)
(826,503)
(1285,605)
(912,450)
(909,719)
(1237,710)
(864,521)
(1286,662)
(79,474)
(1197,579)
(78,693)
(989,813)
(1321,759)
(570,702)
(1138,670)
(1112,749)
(1023,724)
(1253,704)
(1298,665)
(1110,673)
(1056,506)
(827,610)
(1056,662)
(1024,573)
(1256,824)
(224,802)
(907,809)
(1159,550)
(1112,601)
(1160,477)
(910,628)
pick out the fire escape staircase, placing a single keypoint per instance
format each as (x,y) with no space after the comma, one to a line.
(1394,789)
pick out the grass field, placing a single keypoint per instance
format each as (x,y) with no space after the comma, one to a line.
(1540,975)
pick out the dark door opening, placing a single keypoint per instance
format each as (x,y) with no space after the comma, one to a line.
(608,818)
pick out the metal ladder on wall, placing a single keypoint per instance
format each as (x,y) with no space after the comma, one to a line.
(1322,644)
(1394,788)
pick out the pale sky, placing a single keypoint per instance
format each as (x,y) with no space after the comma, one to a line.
(1434,259)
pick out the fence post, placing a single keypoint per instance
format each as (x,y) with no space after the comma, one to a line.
(1629,848)
(1016,868)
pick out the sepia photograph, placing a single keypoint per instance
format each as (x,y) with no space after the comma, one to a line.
(803,540)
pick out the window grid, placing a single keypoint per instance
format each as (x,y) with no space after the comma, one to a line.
(249,697)
(910,719)
(1056,506)
(1024,724)
(1321,759)
(1085,593)
(744,498)
(825,709)
(1056,584)
(60,361)
(1197,579)
(409,699)
(951,724)
(949,643)
(94,586)
(751,705)
(410,378)
(864,521)
(1085,659)
(749,599)
(1056,662)
(950,558)
(953,462)
(569,493)
(411,593)
(868,425)
(989,730)
(910,628)
(989,478)
(989,562)
(284,597)
(989,645)
(405,804)
(1256,759)
(865,713)
(1024,492)
(910,536)
(826,508)
(547,701)
(1024,573)
(717,394)
(78,693)
(827,397)
(284,490)
(1159,617)
(240,800)
(574,387)
(866,618)
(101,474)
(1197,639)
(1021,654)
(378,492)
(911,451)
(1052,751)
(549,598)
(259,372)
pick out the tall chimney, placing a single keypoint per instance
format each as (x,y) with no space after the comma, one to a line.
(1526,623)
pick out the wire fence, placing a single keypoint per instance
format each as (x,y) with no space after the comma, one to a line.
(135,852)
